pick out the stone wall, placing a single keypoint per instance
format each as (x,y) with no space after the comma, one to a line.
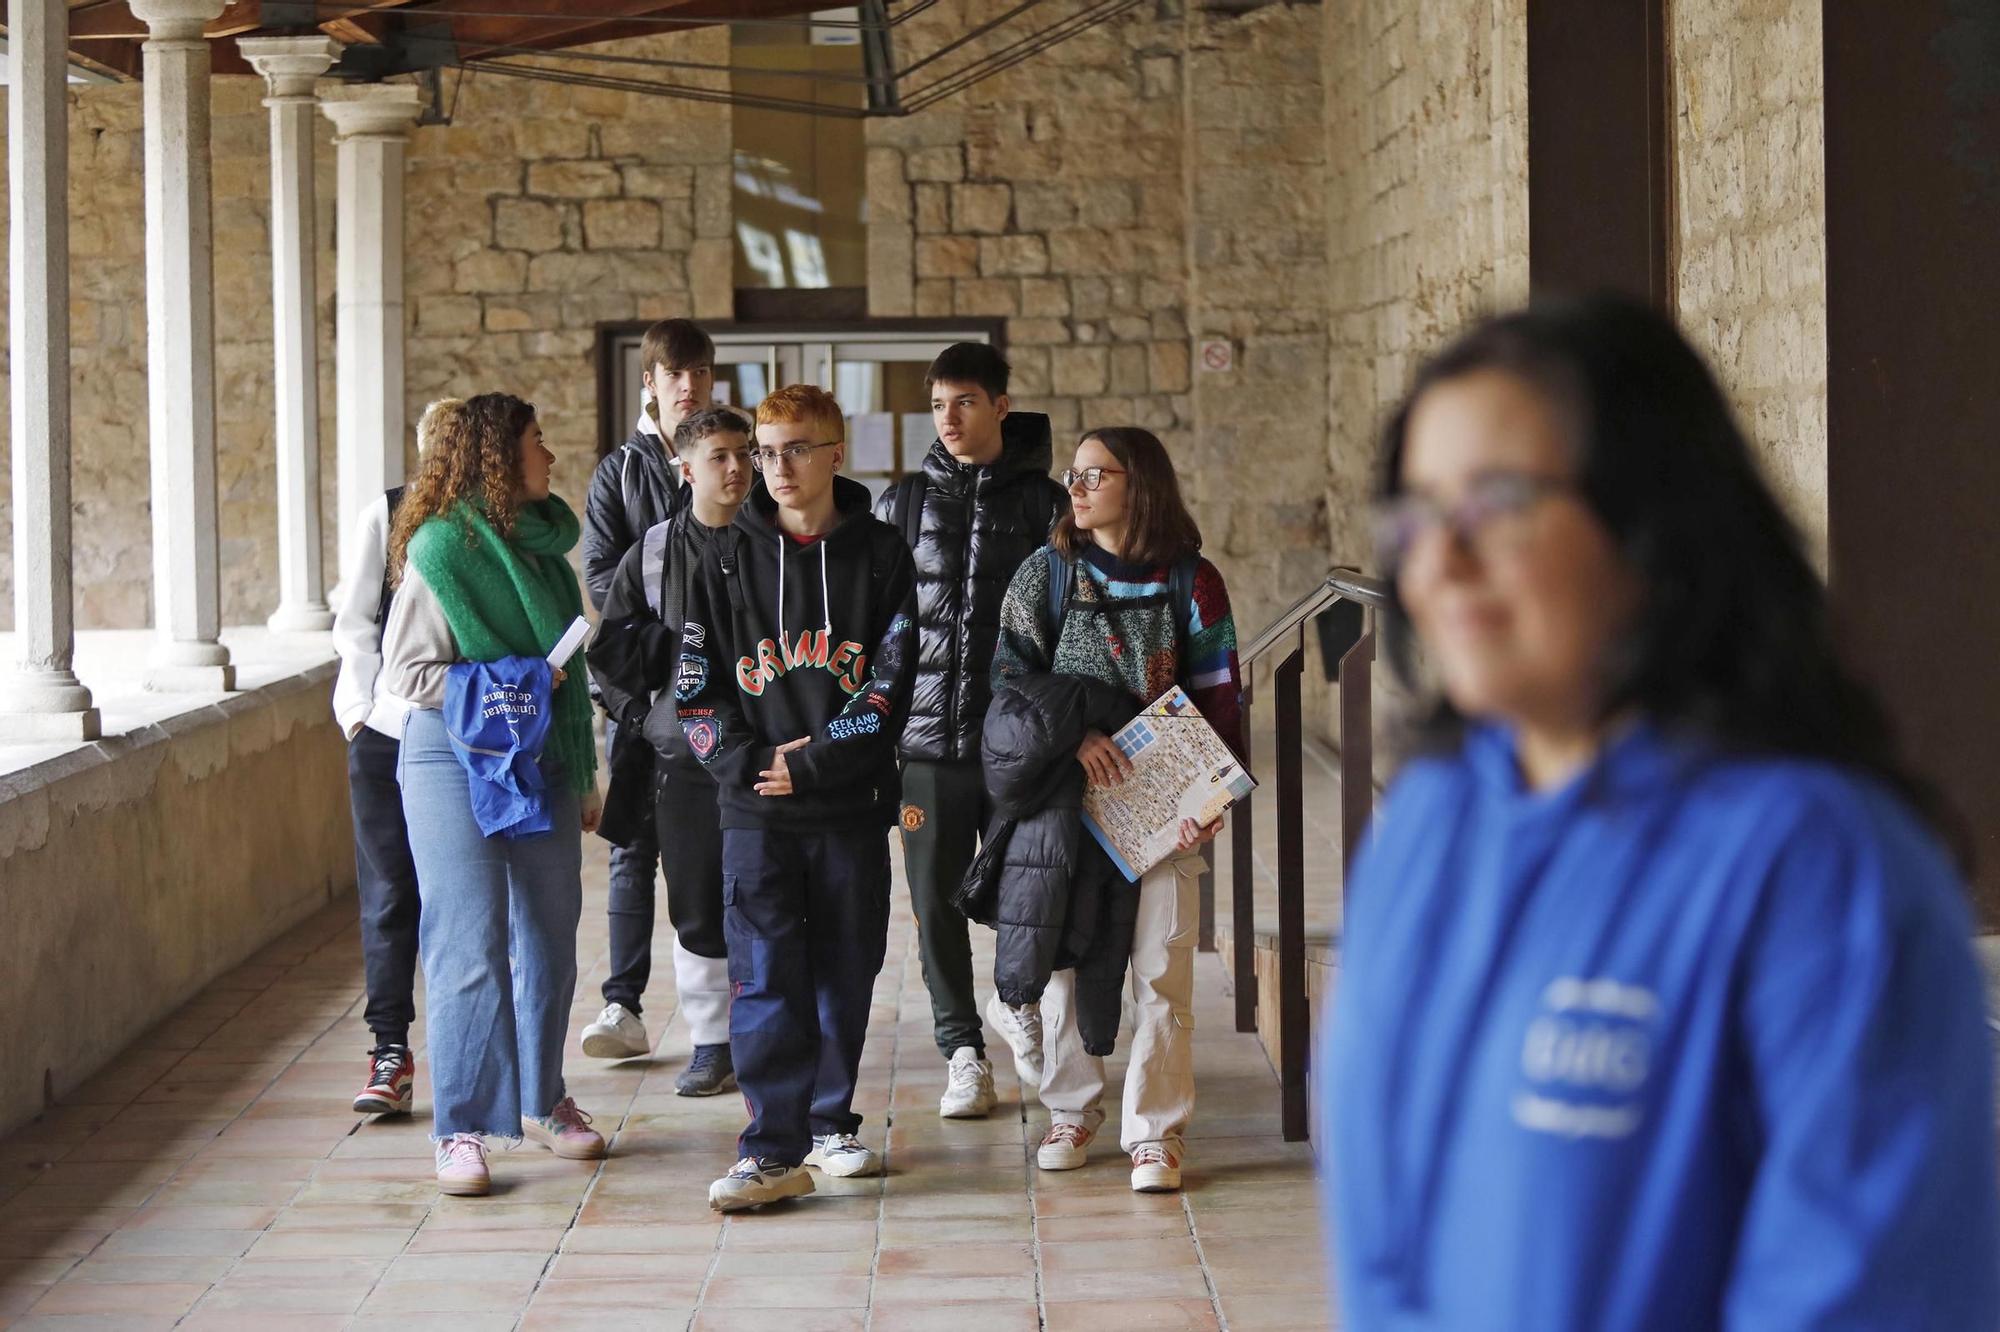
(1255,166)
(1750,233)
(540,211)
(1050,195)
(1159,172)
(544,210)
(135,871)
(1427,212)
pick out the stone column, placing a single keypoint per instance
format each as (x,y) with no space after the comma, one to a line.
(372,128)
(290,65)
(44,701)
(180,349)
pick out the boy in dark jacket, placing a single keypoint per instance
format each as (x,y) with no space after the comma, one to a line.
(635,486)
(633,661)
(982,504)
(792,683)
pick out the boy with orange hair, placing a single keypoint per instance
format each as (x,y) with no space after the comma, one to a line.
(792,686)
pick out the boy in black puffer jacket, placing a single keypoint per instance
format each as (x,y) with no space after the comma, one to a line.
(983,503)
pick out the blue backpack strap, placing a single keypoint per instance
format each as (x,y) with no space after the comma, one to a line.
(1062,585)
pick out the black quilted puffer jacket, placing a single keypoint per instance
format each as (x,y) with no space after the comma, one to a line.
(1040,880)
(977,525)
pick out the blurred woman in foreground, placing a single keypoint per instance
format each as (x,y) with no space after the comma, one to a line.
(1657,1007)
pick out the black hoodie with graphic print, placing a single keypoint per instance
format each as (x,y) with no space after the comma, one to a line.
(788,638)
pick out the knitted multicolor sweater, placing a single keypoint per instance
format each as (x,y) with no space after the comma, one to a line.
(1120,629)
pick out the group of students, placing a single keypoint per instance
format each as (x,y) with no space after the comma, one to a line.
(1656,1008)
(788,670)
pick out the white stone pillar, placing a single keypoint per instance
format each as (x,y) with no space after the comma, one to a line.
(180,349)
(372,128)
(44,700)
(290,66)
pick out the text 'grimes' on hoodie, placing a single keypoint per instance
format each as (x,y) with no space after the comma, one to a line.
(789,638)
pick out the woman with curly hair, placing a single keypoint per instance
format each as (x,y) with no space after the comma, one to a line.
(479,556)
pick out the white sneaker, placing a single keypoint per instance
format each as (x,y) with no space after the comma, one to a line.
(842,1156)
(1021,1028)
(968,1090)
(752,1183)
(617,1034)
(1156,1168)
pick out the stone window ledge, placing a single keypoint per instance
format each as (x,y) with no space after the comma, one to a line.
(112,663)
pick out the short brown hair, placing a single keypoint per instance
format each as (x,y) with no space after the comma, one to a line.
(678,344)
(808,403)
(1158,527)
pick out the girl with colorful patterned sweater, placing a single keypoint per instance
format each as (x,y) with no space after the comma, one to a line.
(1130,545)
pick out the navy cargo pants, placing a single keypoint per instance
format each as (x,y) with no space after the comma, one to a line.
(806,915)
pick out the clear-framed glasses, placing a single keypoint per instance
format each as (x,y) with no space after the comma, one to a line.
(1090,478)
(767,460)
(1484,520)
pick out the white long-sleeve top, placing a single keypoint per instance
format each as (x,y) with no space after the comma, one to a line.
(417,644)
(361,695)
(418,652)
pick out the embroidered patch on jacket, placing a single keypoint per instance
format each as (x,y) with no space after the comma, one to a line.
(703,736)
(843,728)
(693,635)
(691,676)
(913,818)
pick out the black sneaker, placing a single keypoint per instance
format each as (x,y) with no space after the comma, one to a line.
(709,1073)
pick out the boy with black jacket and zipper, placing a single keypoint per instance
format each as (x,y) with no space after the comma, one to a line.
(633,661)
(637,485)
(792,684)
(983,503)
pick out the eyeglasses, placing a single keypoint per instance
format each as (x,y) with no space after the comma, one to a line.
(767,460)
(1485,519)
(1090,478)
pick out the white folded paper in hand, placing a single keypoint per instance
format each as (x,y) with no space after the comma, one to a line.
(572,639)
(1181,769)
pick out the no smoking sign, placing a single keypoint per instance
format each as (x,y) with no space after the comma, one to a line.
(1218,355)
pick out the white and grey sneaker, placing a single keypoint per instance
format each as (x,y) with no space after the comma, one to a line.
(752,1183)
(617,1034)
(842,1156)
(1021,1028)
(968,1088)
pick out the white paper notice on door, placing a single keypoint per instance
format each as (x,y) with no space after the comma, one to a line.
(871,442)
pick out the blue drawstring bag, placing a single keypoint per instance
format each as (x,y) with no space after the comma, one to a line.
(497,714)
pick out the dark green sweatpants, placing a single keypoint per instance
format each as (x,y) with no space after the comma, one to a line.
(944,812)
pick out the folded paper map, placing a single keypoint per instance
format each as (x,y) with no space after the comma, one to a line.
(1181,769)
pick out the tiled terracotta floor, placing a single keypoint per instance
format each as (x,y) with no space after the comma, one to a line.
(215,1178)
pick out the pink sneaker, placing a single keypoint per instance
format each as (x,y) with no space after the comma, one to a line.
(1156,1168)
(1065,1147)
(461,1166)
(566,1132)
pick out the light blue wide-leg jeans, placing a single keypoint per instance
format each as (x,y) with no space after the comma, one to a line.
(498,942)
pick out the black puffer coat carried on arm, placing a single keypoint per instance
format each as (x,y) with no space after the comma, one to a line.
(1055,898)
(977,524)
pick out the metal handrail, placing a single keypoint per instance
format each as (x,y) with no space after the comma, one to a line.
(1338,585)
(1357,803)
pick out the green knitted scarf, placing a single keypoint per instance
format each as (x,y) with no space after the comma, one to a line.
(514,597)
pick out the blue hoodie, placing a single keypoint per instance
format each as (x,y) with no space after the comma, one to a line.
(1695,1041)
